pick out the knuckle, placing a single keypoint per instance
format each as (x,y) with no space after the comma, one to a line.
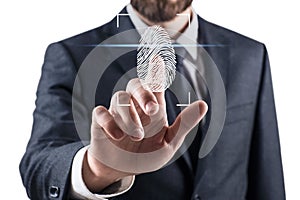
(133,85)
(133,82)
(101,115)
(123,97)
(142,95)
(99,110)
(121,94)
(124,94)
(145,95)
(120,97)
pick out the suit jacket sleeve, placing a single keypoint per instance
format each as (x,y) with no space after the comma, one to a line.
(265,167)
(45,167)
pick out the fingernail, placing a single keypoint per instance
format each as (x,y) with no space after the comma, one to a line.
(138,134)
(151,108)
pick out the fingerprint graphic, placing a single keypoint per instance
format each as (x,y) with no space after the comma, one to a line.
(156,62)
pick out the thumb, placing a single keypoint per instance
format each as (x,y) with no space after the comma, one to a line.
(185,122)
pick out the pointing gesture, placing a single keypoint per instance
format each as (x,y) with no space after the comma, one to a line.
(133,136)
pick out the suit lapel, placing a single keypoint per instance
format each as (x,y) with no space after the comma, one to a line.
(129,36)
(217,46)
(220,55)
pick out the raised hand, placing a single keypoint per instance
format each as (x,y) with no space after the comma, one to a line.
(133,136)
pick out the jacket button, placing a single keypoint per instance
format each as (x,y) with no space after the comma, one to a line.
(197,197)
(54,191)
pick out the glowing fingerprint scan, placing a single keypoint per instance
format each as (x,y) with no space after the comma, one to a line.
(156,61)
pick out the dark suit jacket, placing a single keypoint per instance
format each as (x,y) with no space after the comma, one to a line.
(245,163)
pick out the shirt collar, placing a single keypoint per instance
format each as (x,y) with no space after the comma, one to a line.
(187,39)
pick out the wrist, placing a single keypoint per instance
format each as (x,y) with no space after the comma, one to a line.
(98,176)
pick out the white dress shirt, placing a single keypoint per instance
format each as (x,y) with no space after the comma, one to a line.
(78,187)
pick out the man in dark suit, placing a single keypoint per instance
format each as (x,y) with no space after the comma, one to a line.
(245,163)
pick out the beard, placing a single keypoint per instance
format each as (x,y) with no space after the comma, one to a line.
(160,10)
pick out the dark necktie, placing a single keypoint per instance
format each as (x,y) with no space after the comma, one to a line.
(182,54)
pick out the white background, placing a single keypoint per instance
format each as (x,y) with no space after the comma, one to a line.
(27,27)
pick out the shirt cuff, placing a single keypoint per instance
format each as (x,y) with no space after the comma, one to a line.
(80,190)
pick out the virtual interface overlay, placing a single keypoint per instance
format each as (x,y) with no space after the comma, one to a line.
(161,75)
